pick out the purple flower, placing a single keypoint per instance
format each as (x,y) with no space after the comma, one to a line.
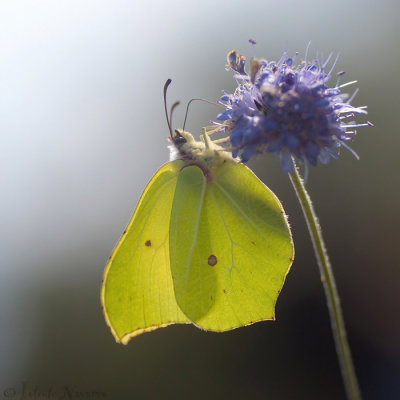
(287,109)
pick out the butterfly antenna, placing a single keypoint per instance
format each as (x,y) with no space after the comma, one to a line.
(176,104)
(190,102)
(165,106)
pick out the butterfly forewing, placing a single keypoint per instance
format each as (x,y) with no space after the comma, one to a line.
(137,293)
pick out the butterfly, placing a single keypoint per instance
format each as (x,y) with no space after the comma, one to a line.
(208,244)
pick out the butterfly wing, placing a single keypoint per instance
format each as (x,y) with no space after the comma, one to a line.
(137,292)
(230,247)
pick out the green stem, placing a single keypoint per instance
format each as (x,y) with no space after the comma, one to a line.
(328,281)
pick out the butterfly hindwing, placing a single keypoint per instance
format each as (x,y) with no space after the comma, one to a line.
(230,247)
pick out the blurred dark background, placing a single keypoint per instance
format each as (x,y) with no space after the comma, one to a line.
(82,131)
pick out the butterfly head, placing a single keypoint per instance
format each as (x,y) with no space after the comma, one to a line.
(205,153)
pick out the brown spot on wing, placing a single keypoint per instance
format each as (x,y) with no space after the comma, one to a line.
(147,243)
(212,260)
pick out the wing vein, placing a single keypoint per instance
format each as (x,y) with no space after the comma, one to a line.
(200,208)
(232,262)
(243,213)
(233,242)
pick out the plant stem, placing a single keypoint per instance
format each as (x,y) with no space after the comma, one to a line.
(328,281)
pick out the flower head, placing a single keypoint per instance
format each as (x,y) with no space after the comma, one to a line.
(287,109)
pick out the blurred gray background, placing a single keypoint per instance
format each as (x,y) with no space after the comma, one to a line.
(82,131)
